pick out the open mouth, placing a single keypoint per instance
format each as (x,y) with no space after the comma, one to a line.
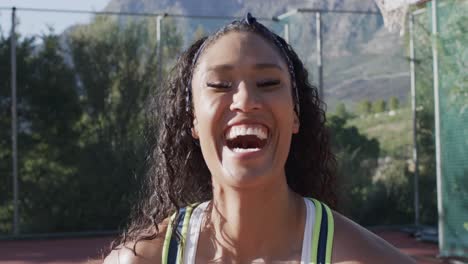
(246,138)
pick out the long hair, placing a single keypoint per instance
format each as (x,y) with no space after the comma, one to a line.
(178,174)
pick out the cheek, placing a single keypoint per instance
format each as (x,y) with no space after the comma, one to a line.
(209,112)
(283,107)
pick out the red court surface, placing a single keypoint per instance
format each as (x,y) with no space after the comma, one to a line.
(54,251)
(89,250)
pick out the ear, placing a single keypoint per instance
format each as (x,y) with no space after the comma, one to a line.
(296,123)
(195,128)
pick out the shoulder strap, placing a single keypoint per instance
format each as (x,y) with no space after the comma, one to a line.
(322,240)
(173,247)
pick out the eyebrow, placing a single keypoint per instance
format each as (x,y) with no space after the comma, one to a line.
(259,66)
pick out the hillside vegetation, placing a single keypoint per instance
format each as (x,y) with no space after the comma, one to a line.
(393,130)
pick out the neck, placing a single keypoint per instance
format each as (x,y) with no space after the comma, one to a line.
(253,222)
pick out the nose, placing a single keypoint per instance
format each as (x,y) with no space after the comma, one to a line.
(245,98)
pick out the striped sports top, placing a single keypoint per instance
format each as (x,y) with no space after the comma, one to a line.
(316,245)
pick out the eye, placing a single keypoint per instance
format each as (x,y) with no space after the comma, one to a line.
(219,85)
(268,83)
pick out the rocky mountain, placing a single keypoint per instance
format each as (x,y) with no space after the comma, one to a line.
(361,59)
(264,8)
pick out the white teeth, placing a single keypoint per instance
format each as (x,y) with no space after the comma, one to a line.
(242,150)
(243,130)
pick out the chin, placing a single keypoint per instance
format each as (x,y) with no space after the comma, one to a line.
(246,177)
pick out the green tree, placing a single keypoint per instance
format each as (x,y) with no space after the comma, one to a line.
(394,103)
(379,106)
(364,107)
(48,108)
(341,110)
(49,166)
(81,121)
(392,187)
(24,53)
(357,159)
(116,66)
(171,42)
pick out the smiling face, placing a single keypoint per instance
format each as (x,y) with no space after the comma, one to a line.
(243,110)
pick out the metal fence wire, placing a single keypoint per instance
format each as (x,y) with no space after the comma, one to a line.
(440,37)
(81,110)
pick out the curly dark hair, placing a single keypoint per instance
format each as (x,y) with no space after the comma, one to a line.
(178,175)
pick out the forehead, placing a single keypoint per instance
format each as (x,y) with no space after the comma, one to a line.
(240,49)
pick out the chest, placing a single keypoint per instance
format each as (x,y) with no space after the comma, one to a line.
(195,247)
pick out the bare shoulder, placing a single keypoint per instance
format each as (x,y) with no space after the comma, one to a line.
(142,252)
(354,244)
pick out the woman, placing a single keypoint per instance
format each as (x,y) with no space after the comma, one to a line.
(242,141)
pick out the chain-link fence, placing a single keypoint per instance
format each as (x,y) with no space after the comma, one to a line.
(81,97)
(441,56)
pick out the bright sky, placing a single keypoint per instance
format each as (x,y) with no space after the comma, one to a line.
(38,22)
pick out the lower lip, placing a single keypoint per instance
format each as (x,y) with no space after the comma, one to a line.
(247,154)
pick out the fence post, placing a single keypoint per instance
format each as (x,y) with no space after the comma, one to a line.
(14,138)
(435,68)
(318,30)
(159,47)
(413,106)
